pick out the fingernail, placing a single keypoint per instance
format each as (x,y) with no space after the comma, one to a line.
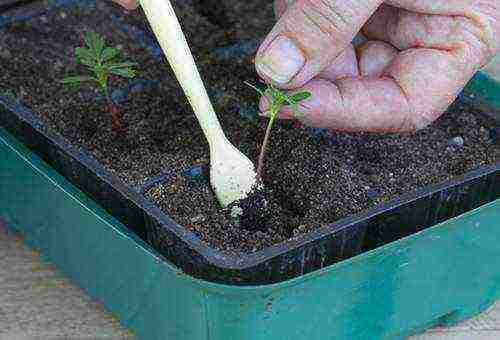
(281,61)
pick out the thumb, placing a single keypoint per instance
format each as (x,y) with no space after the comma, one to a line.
(308,37)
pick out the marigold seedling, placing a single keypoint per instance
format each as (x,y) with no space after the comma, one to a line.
(277,99)
(101,62)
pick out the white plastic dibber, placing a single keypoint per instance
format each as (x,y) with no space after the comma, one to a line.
(232,174)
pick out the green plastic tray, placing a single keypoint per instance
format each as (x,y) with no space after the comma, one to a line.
(440,275)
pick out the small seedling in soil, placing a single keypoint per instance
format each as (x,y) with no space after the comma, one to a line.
(253,212)
(277,99)
(101,63)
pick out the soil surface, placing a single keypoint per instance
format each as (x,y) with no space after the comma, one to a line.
(312,177)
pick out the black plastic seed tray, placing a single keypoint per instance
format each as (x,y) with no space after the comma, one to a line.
(341,240)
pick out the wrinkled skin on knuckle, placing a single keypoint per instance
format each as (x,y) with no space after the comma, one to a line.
(440,24)
(470,43)
(477,27)
(431,87)
(323,107)
(486,15)
(318,21)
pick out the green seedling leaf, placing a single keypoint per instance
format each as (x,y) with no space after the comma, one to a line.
(124,72)
(109,53)
(99,69)
(84,56)
(95,43)
(295,99)
(115,66)
(299,96)
(76,79)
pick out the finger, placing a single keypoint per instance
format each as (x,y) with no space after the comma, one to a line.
(380,23)
(128,4)
(374,57)
(446,7)
(484,13)
(406,29)
(308,37)
(412,93)
(345,65)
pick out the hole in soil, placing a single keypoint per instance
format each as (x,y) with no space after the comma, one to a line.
(254,211)
(295,203)
(296,206)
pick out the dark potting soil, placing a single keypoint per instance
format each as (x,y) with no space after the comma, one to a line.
(312,177)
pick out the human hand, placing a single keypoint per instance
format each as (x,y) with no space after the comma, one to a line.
(418,57)
(128,4)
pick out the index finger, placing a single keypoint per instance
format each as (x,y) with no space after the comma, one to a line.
(308,37)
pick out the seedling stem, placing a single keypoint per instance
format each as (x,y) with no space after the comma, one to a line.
(277,99)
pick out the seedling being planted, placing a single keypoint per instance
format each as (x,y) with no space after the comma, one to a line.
(101,62)
(277,99)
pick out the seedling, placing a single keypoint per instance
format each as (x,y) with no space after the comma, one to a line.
(277,99)
(101,63)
